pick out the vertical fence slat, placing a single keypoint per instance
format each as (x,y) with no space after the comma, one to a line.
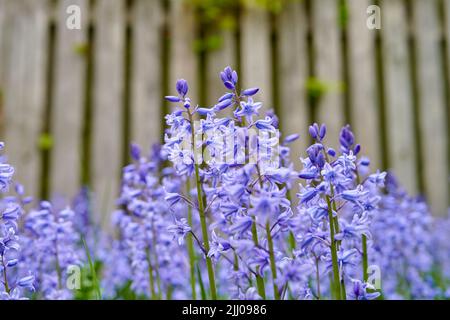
(327,55)
(2,43)
(67,111)
(447,41)
(431,102)
(183,61)
(256,54)
(24,90)
(399,104)
(2,61)
(147,95)
(216,61)
(363,91)
(293,73)
(107,117)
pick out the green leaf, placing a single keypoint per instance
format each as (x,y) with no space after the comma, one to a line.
(45,141)
(202,286)
(92,269)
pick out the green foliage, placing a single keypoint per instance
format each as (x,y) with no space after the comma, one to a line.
(202,286)
(343,14)
(88,290)
(126,293)
(81,48)
(215,16)
(93,272)
(45,141)
(317,88)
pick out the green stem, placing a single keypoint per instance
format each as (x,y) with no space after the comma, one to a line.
(273,266)
(365,258)
(150,274)
(336,283)
(365,262)
(291,236)
(318,279)
(259,280)
(5,278)
(155,256)
(201,212)
(212,280)
(190,248)
(343,290)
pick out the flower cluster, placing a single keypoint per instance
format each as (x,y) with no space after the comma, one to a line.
(51,250)
(219,211)
(11,209)
(156,263)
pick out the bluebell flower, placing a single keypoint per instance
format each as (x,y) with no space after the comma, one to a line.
(179,230)
(248,109)
(316,132)
(218,246)
(182,87)
(260,260)
(229,78)
(241,226)
(6,173)
(360,291)
(250,91)
(250,294)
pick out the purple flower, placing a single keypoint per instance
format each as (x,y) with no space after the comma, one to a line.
(179,230)
(241,225)
(248,109)
(291,138)
(229,78)
(354,195)
(359,291)
(6,173)
(218,246)
(182,87)
(316,132)
(250,92)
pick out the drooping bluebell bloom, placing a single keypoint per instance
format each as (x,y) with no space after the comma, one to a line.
(179,230)
(229,78)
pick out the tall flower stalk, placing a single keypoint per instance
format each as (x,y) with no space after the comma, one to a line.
(202,216)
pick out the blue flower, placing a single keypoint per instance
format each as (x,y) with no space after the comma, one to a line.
(6,173)
(229,78)
(217,246)
(248,109)
(179,230)
(359,291)
(182,87)
(318,133)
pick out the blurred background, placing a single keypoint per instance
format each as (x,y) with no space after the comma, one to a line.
(71,101)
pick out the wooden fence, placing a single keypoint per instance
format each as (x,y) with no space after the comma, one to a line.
(73,99)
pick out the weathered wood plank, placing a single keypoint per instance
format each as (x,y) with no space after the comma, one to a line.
(293,73)
(146,82)
(447,41)
(399,104)
(2,39)
(256,54)
(67,112)
(24,87)
(183,61)
(432,113)
(216,61)
(2,61)
(363,91)
(107,117)
(327,55)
